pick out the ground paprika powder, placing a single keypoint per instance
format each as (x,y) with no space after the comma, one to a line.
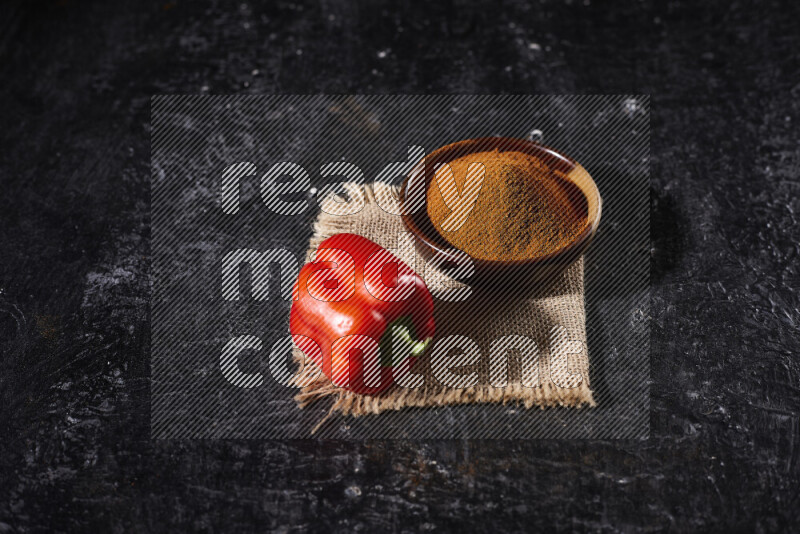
(524,209)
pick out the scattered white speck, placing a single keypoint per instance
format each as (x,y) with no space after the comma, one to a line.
(534,46)
(299,52)
(246,84)
(508,68)
(657,20)
(353,492)
(331,17)
(631,106)
(383,53)
(204,89)
(536,135)
(313,191)
(246,25)
(255,72)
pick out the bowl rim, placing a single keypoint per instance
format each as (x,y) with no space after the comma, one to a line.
(416,218)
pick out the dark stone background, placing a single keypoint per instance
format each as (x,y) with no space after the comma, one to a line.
(74,402)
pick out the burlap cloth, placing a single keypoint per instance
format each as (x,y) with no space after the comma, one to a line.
(483,317)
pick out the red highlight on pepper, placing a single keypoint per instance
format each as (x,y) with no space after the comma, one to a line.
(361,314)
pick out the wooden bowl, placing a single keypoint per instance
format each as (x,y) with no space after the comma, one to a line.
(498,273)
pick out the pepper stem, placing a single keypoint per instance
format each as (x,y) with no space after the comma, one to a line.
(400,342)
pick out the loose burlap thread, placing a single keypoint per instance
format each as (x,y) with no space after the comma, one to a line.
(483,317)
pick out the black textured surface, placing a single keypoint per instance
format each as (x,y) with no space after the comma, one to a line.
(725,435)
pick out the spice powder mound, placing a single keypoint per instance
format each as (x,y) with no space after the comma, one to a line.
(524,209)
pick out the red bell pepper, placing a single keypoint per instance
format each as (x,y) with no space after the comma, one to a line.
(361,314)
